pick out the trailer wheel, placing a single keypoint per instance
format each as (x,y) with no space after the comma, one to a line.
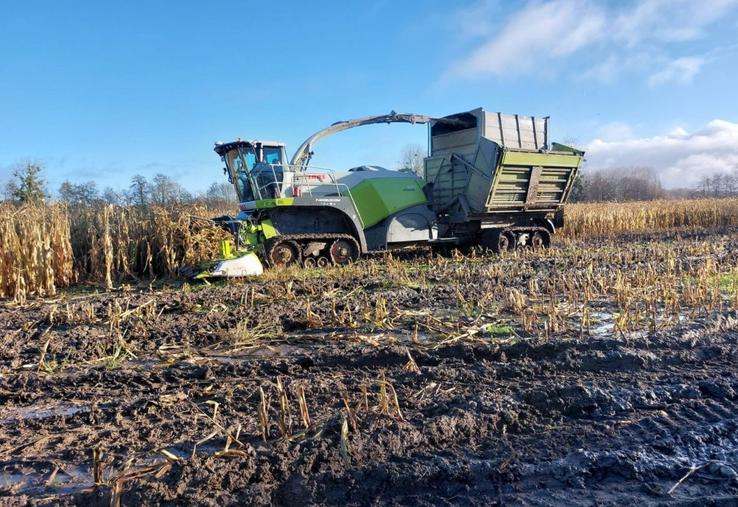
(497,240)
(505,242)
(540,240)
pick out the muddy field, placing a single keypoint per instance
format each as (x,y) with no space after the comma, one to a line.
(587,374)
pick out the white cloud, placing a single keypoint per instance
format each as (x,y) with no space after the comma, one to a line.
(478,19)
(623,34)
(553,29)
(605,71)
(680,158)
(667,20)
(681,71)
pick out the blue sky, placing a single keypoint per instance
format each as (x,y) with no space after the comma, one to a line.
(103,90)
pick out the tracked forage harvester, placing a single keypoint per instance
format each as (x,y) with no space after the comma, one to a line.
(490,179)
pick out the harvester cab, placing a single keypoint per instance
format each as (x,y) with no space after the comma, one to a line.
(257,169)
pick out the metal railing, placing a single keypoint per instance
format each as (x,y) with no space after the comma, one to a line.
(303,183)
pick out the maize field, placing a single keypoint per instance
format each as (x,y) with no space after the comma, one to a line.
(609,219)
(45,247)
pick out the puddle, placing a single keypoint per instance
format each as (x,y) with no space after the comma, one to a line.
(72,479)
(261,352)
(602,323)
(15,481)
(35,412)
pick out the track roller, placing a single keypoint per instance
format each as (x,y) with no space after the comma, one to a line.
(282,253)
(344,251)
(323,262)
(311,250)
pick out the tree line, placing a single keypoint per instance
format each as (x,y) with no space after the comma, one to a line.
(720,185)
(605,185)
(28,185)
(643,184)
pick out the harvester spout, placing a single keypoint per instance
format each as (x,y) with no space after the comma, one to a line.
(301,158)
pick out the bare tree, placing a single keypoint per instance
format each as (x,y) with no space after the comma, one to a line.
(220,195)
(164,191)
(112,196)
(411,159)
(139,191)
(731,183)
(622,184)
(719,185)
(83,194)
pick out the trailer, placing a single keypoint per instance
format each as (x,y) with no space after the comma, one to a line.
(493,179)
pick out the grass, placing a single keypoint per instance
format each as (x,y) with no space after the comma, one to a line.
(728,281)
(497,330)
(248,333)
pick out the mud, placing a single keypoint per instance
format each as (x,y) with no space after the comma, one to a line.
(164,386)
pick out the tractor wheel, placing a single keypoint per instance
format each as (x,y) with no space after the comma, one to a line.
(344,251)
(283,253)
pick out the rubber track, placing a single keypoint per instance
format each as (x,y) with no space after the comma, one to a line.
(301,238)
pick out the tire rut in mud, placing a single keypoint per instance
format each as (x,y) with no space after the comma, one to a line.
(523,423)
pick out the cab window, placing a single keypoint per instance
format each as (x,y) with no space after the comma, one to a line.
(272,155)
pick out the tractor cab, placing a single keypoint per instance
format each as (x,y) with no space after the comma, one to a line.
(257,169)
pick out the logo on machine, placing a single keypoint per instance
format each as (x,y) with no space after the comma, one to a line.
(315,177)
